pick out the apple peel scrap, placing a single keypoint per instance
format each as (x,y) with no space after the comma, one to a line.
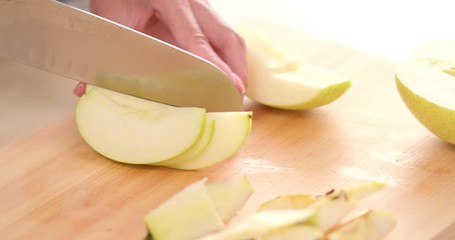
(138,131)
(204,210)
(279,79)
(426,84)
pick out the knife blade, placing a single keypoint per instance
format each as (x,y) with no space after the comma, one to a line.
(76,44)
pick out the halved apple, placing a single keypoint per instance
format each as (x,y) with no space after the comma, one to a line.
(426,83)
(198,209)
(134,130)
(231,131)
(282,80)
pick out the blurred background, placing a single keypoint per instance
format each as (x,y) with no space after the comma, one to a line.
(390,29)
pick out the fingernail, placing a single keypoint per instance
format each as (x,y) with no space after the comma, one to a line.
(79,90)
(238,83)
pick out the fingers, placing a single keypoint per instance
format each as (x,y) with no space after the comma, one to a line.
(229,45)
(79,90)
(189,35)
(132,14)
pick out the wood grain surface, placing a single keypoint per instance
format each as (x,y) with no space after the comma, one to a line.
(54,186)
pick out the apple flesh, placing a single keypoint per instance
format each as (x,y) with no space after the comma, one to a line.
(136,131)
(197,148)
(194,213)
(198,209)
(279,79)
(230,195)
(263,223)
(300,216)
(230,132)
(426,84)
(371,225)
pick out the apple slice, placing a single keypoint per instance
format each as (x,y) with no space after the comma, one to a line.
(201,144)
(426,83)
(278,79)
(295,201)
(198,209)
(290,201)
(231,131)
(189,214)
(321,215)
(331,207)
(230,195)
(371,225)
(133,130)
(262,224)
(299,231)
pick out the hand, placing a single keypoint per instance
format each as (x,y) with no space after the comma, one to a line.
(189,24)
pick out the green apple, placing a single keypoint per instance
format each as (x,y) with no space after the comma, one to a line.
(138,131)
(371,225)
(231,131)
(198,209)
(426,84)
(134,130)
(281,80)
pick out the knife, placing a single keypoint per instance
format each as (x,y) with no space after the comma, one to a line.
(76,44)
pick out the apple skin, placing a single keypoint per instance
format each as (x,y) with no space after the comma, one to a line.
(198,209)
(194,211)
(231,131)
(437,119)
(136,131)
(132,130)
(279,79)
(426,84)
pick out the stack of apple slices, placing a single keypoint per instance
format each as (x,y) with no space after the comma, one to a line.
(203,215)
(283,80)
(137,131)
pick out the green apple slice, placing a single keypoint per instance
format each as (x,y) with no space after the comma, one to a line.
(278,80)
(299,231)
(290,201)
(266,53)
(426,83)
(136,131)
(331,207)
(199,209)
(189,214)
(371,225)
(262,223)
(201,144)
(231,131)
(295,201)
(230,195)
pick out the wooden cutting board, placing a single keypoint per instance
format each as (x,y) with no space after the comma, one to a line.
(54,186)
